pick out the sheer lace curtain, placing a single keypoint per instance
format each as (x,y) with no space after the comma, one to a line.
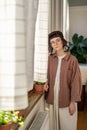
(19,43)
(13,77)
(41,42)
(31,16)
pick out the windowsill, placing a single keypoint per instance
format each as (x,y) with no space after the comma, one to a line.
(33,99)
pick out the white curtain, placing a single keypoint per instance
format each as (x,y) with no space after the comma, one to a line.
(54,15)
(41,42)
(59,16)
(31,15)
(13,77)
(65,18)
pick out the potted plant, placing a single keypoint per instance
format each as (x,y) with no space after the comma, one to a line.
(78,47)
(38,87)
(21,112)
(7,118)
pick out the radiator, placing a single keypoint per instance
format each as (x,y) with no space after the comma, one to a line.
(41,122)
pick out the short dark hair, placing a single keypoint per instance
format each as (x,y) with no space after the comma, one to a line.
(53,35)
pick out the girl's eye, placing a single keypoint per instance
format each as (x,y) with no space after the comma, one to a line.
(57,40)
(52,42)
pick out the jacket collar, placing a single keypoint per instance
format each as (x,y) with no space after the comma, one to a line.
(65,58)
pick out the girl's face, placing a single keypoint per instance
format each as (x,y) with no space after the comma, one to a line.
(56,44)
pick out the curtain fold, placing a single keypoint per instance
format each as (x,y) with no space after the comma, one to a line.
(55,15)
(59,16)
(65,18)
(13,77)
(31,16)
(41,42)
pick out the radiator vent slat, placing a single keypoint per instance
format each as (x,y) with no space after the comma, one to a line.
(38,121)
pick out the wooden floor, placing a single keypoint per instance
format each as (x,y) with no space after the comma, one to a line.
(82,119)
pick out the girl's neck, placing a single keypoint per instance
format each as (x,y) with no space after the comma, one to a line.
(61,53)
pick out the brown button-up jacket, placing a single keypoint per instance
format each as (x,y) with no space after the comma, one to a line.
(70,80)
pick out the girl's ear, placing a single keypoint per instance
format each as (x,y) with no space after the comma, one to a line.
(66,48)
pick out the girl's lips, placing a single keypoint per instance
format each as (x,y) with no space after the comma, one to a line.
(57,47)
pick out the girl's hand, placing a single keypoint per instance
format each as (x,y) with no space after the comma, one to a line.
(72,108)
(46,87)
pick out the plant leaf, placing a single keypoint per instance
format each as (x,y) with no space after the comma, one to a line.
(80,38)
(71,46)
(79,51)
(84,50)
(75,38)
(85,42)
(78,47)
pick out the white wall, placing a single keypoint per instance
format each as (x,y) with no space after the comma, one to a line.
(78,20)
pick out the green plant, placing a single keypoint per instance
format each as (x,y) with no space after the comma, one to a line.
(10,116)
(39,83)
(78,48)
(39,87)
